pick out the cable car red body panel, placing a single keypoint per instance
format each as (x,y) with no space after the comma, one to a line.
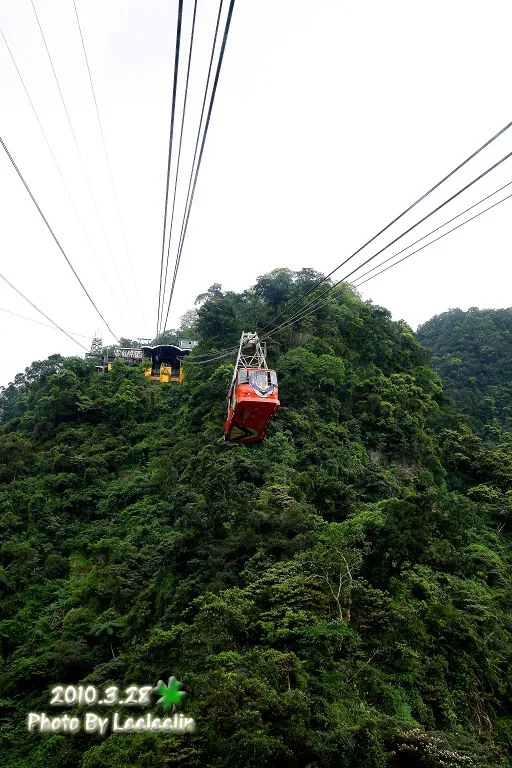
(253,400)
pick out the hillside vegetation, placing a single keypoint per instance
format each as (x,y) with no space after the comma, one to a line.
(472,352)
(338,595)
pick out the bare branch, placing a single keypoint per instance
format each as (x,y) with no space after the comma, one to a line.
(365,664)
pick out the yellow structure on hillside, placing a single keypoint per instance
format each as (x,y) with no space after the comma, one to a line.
(166,363)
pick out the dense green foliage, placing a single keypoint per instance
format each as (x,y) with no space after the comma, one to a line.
(337,595)
(472,352)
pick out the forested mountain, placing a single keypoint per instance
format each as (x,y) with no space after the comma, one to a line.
(472,352)
(338,595)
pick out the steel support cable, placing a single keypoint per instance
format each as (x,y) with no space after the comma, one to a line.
(298,315)
(81,160)
(218,354)
(169,156)
(60,173)
(193,180)
(54,237)
(449,175)
(197,142)
(318,304)
(45,325)
(206,126)
(234,349)
(356,285)
(225,353)
(108,163)
(41,311)
(179,150)
(432,231)
(200,125)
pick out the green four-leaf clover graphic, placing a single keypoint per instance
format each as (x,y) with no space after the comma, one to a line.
(170,695)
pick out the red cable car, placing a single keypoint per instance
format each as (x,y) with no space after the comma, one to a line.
(253,397)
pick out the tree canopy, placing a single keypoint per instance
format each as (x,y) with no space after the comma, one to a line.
(338,595)
(472,352)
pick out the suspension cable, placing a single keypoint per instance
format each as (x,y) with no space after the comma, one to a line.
(357,284)
(205,133)
(61,176)
(82,160)
(54,237)
(434,230)
(227,353)
(179,150)
(108,164)
(318,303)
(449,175)
(435,210)
(169,156)
(41,312)
(45,325)
(199,131)
(267,336)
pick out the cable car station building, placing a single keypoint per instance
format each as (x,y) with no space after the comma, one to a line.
(166,359)
(166,362)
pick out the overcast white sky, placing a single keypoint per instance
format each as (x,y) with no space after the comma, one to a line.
(330,118)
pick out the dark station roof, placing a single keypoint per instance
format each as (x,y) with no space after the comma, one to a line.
(164,353)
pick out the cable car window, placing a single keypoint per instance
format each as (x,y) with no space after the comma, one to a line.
(243,378)
(273,378)
(259,379)
(262,380)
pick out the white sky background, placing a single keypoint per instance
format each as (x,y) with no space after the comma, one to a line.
(330,118)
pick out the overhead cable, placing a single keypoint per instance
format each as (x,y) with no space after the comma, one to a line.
(60,172)
(41,311)
(169,155)
(205,133)
(318,304)
(445,178)
(356,284)
(433,241)
(226,353)
(435,210)
(179,151)
(53,327)
(82,161)
(191,178)
(108,164)
(54,237)
(466,210)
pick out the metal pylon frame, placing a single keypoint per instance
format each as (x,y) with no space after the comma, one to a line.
(256,358)
(96,346)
